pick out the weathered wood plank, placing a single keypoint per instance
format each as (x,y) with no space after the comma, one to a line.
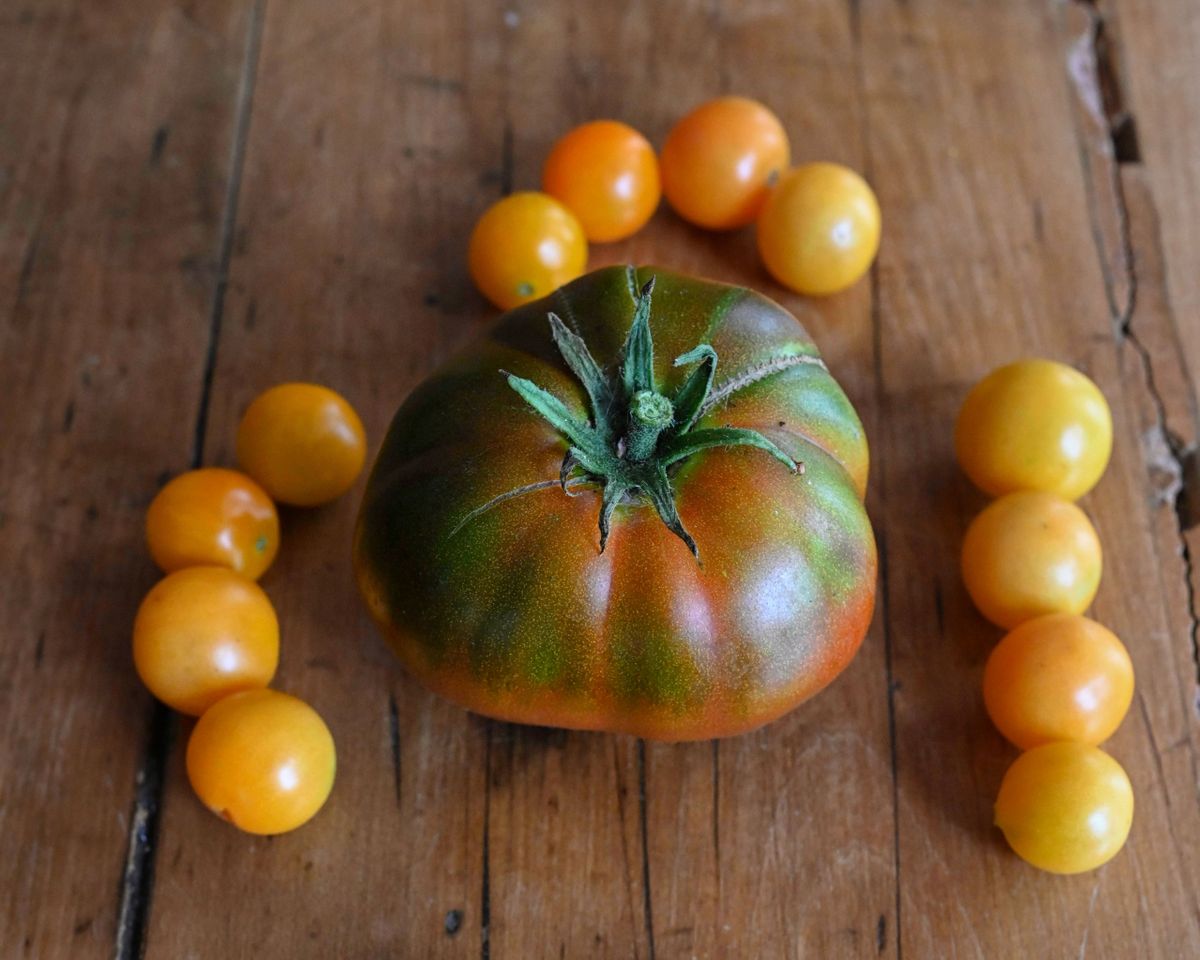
(783,838)
(976,154)
(540,787)
(377,135)
(115,125)
(1155,58)
(371,130)
(1157,61)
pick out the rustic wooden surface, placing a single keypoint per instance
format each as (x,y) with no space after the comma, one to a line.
(200,199)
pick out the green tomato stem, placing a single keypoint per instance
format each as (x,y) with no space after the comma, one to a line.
(650,414)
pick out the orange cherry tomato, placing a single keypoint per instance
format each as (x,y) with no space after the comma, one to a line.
(203,633)
(303,443)
(1034,425)
(1028,554)
(1065,807)
(525,247)
(263,760)
(606,174)
(213,516)
(819,228)
(720,160)
(1058,677)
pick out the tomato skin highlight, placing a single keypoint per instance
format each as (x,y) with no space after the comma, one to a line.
(524,247)
(213,516)
(719,162)
(819,229)
(1034,425)
(605,173)
(302,442)
(263,760)
(1058,677)
(1030,553)
(515,613)
(203,633)
(1065,807)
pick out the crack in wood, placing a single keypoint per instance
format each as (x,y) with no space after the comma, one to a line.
(237,156)
(27,264)
(1095,79)
(394,737)
(159,144)
(137,879)
(1187,505)
(1110,89)
(876,326)
(649,913)
(137,875)
(485,897)
(893,746)
(716,806)
(507,160)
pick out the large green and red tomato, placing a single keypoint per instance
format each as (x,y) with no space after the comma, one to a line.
(487,574)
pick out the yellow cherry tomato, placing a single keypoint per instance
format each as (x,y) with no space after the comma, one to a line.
(1034,425)
(263,760)
(1065,807)
(720,160)
(525,247)
(216,517)
(303,443)
(203,633)
(605,173)
(1058,677)
(819,228)
(1028,554)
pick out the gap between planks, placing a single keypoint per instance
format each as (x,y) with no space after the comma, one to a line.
(137,876)
(1098,86)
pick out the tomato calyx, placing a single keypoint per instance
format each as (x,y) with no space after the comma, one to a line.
(635,433)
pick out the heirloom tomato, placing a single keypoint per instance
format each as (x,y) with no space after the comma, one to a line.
(587,521)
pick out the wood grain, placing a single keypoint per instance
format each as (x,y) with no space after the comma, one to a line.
(1156,58)
(114,147)
(362,169)
(783,838)
(1003,208)
(298,180)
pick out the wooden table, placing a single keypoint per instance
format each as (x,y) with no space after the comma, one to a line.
(200,199)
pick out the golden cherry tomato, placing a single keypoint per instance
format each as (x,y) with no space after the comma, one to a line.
(819,228)
(1065,807)
(1030,553)
(215,517)
(263,760)
(303,443)
(203,633)
(1058,677)
(525,247)
(720,160)
(1034,425)
(605,173)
